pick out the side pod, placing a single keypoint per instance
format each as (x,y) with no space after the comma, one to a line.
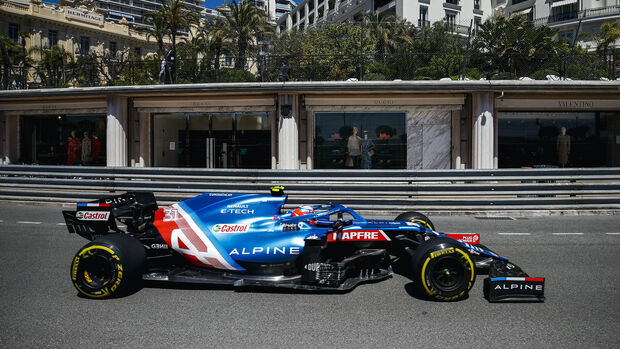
(508,283)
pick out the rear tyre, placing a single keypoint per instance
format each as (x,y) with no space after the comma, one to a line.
(443,270)
(110,266)
(416,217)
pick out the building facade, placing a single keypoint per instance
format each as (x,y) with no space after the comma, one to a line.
(569,17)
(460,14)
(274,8)
(76,30)
(308,125)
(133,11)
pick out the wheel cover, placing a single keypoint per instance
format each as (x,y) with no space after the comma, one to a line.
(98,271)
(447,274)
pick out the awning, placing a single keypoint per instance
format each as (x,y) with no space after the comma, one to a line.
(563,2)
(121,14)
(523,12)
(205,104)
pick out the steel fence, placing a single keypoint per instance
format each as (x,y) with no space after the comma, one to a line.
(267,68)
(387,190)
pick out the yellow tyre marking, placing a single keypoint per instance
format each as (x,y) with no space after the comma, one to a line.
(87,276)
(428,291)
(423,222)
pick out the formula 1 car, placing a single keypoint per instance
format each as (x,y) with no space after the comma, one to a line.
(246,240)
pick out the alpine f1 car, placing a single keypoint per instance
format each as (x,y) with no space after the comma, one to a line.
(247,240)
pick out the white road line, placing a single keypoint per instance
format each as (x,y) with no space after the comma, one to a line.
(612,233)
(514,234)
(61,223)
(567,233)
(26,222)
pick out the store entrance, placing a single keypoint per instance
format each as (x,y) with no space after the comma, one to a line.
(212,140)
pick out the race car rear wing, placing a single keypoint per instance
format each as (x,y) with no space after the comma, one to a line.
(508,283)
(133,209)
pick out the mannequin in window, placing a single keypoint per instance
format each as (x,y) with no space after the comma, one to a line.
(353,148)
(86,149)
(368,150)
(73,149)
(563,147)
(96,150)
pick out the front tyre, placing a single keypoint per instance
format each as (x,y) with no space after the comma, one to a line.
(415,217)
(107,267)
(443,270)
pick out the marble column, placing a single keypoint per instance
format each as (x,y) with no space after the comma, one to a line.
(288,132)
(483,130)
(429,139)
(144,151)
(116,135)
(10,139)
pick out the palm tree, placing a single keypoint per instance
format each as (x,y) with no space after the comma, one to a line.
(217,36)
(157,28)
(388,30)
(244,21)
(177,17)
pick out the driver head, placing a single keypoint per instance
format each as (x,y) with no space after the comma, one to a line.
(302,210)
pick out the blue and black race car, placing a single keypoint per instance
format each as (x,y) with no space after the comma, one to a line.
(247,240)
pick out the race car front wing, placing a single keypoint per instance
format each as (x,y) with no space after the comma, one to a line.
(508,283)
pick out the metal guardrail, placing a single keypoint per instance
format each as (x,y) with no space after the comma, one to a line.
(504,189)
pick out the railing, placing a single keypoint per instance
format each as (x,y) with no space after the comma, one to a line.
(387,190)
(566,16)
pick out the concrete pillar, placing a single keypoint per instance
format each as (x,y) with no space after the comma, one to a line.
(288,132)
(10,139)
(116,136)
(144,152)
(483,130)
(289,21)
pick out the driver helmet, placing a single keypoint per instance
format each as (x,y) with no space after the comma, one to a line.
(302,210)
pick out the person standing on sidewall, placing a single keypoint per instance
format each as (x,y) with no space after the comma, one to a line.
(170,64)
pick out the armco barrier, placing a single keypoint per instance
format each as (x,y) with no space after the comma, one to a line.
(504,189)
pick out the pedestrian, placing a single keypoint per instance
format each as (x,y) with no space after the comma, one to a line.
(170,57)
(162,70)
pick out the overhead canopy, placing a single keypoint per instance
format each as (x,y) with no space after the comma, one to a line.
(563,2)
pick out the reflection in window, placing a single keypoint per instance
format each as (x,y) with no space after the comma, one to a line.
(218,140)
(360,140)
(63,140)
(558,139)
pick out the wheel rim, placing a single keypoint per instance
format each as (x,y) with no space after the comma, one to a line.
(98,271)
(448,274)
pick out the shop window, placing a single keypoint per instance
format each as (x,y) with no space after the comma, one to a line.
(360,140)
(63,140)
(217,140)
(558,139)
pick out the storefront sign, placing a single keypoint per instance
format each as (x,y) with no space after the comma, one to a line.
(384,100)
(87,17)
(556,104)
(576,104)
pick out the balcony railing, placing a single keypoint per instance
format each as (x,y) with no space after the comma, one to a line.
(583,14)
(423,23)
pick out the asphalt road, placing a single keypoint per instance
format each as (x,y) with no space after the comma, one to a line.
(578,255)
